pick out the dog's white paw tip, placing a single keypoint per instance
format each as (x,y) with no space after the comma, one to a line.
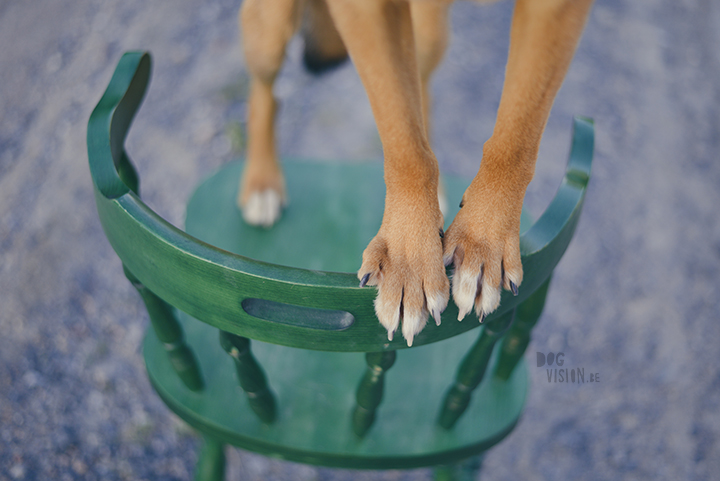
(412,324)
(464,290)
(263,208)
(436,304)
(489,301)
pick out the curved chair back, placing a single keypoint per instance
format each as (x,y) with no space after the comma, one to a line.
(242,296)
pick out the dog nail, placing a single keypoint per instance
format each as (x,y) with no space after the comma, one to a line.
(364,280)
(462,203)
(436,316)
(390,335)
(513,288)
(442,234)
(410,341)
(481,317)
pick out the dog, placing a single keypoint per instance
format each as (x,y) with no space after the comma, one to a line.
(395,46)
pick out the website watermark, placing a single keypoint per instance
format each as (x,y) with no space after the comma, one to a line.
(558,372)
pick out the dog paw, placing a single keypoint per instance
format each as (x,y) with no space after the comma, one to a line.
(404,261)
(263,208)
(262,196)
(483,244)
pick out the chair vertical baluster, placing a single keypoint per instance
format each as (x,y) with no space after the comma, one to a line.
(250,376)
(170,333)
(211,461)
(472,370)
(466,470)
(514,344)
(370,390)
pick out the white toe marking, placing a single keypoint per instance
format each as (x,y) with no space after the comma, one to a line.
(464,288)
(412,324)
(436,305)
(489,301)
(263,208)
(388,314)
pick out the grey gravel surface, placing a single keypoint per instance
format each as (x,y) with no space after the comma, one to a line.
(635,299)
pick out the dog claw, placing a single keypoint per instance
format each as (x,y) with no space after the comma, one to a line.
(364,281)
(514,288)
(436,316)
(391,334)
(481,317)
(442,233)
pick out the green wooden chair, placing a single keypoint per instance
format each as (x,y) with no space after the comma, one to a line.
(262,339)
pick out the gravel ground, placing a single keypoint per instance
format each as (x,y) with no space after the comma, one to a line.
(635,299)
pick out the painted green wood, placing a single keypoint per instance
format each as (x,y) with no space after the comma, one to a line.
(472,370)
(250,376)
(315,394)
(169,332)
(211,461)
(370,391)
(293,287)
(227,288)
(466,470)
(517,339)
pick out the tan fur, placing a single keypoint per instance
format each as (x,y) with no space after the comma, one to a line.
(395,46)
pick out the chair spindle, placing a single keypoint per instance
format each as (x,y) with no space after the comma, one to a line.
(250,376)
(170,333)
(370,390)
(211,461)
(518,337)
(472,370)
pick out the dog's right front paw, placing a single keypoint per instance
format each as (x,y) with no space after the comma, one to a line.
(262,196)
(404,261)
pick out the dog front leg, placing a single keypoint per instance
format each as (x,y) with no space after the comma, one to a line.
(405,258)
(266,26)
(483,240)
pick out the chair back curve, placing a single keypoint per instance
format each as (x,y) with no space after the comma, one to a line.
(241,295)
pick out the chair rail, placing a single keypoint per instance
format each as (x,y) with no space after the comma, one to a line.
(211,284)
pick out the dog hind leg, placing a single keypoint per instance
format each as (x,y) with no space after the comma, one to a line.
(266,26)
(324,49)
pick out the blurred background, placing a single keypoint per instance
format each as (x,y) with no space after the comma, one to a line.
(636,299)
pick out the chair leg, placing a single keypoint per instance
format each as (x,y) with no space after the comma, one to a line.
(518,337)
(466,470)
(170,333)
(211,462)
(472,370)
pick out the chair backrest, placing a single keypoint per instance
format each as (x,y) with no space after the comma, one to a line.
(328,310)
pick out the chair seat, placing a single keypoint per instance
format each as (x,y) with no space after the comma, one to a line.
(334,211)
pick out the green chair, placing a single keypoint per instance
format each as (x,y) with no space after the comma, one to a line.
(262,339)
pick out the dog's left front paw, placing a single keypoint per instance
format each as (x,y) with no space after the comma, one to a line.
(483,244)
